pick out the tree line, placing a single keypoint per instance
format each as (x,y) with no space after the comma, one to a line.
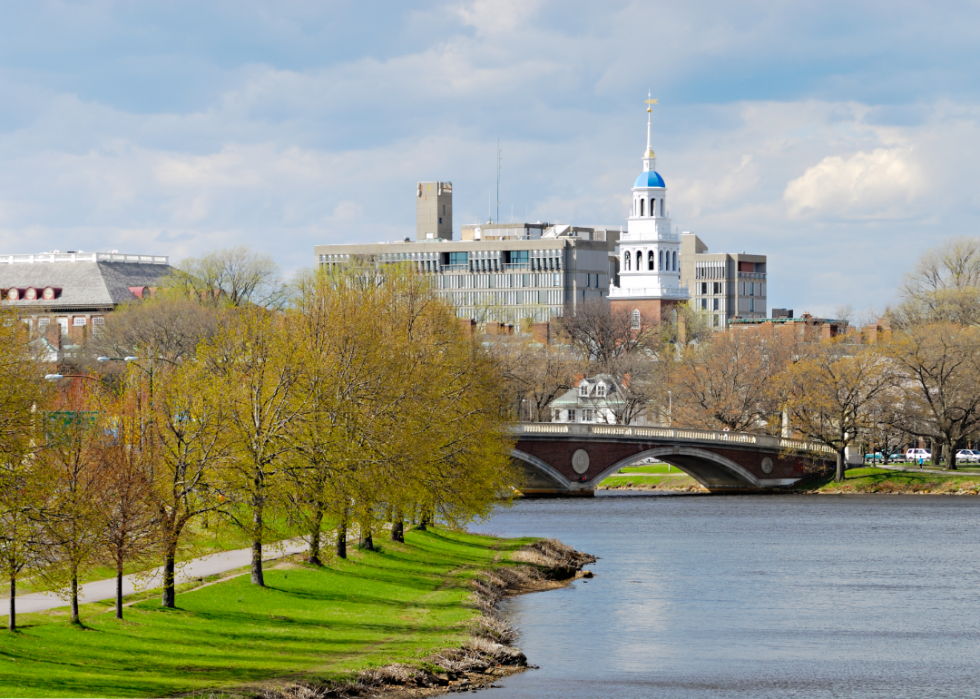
(915,376)
(349,399)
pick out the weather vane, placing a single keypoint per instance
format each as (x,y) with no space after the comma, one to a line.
(649,101)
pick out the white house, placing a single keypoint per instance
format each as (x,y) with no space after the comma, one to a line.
(594,400)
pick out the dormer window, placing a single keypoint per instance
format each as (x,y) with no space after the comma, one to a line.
(583,390)
(600,390)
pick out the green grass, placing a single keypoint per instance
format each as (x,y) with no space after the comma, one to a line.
(648,482)
(396,605)
(652,468)
(879,480)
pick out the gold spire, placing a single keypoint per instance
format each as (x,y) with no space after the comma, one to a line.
(649,102)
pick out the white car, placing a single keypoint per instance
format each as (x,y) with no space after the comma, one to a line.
(968,456)
(914,455)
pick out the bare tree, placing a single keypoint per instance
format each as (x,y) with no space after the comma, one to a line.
(943,287)
(601,333)
(941,383)
(165,328)
(236,276)
(532,374)
(828,393)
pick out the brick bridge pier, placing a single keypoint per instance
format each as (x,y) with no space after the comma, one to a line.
(567,460)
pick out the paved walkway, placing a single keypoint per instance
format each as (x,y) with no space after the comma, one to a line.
(214,564)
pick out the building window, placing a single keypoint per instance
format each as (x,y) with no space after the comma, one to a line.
(661,255)
(440,220)
(626,261)
(704,288)
(717,287)
(571,415)
(635,319)
(716,304)
(674,256)
(587,415)
(600,390)
(650,261)
(583,390)
(661,207)
(653,207)
(641,206)
(704,304)
(78,321)
(41,322)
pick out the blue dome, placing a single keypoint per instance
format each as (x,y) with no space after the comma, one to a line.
(650,178)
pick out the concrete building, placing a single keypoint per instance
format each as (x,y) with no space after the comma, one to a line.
(728,286)
(510,280)
(434,211)
(76,290)
(649,272)
(499,272)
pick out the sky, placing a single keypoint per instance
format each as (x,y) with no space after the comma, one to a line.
(840,139)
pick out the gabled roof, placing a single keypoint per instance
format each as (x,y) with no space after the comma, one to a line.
(572,399)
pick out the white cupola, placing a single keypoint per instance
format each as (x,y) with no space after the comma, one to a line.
(648,252)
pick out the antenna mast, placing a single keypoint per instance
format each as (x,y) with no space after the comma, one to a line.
(498,180)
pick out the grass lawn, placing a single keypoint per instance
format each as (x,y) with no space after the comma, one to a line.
(879,480)
(396,605)
(658,482)
(652,468)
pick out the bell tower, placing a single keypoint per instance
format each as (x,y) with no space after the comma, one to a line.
(649,268)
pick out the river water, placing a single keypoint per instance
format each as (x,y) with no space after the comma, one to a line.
(754,596)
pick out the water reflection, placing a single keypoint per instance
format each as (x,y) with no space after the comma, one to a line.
(754,596)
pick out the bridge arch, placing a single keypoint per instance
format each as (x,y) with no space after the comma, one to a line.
(665,454)
(543,468)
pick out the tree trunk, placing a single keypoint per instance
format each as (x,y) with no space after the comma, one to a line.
(423,520)
(169,593)
(74,599)
(315,529)
(950,455)
(398,527)
(342,538)
(840,473)
(12,619)
(119,588)
(257,577)
(367,539)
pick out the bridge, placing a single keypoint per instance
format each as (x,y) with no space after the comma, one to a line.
(570,459)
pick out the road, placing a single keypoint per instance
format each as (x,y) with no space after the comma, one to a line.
(214,564)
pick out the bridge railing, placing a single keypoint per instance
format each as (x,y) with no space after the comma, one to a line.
(678,433)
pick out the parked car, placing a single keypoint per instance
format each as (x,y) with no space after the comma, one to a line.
(968,456)
(917,455)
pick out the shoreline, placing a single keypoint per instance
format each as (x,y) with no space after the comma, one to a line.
(487,656)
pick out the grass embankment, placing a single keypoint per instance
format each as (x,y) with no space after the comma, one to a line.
(679,483)
(879,480)
(399,604)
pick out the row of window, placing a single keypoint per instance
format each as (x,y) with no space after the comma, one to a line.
(665,260)
(709,270)
(64,322)
(505,298)
(497,281)
(711,287)
(752,288)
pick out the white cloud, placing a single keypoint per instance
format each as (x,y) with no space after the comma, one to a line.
(879,184)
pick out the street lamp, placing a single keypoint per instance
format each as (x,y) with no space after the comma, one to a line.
(57,377)
(129,358)
(670,409)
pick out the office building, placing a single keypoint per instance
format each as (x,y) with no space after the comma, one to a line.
(727,286)
(500,272)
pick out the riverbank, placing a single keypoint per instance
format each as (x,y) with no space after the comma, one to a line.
(423,610)
(864,481)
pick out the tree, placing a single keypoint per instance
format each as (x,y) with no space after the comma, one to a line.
(601,333)
(22,392)
(235,276)
(940,366)
(70,515)
(128,509)
(829,390)
(256,361)
(725,382)
(187,427)
(167,328)
(532,374)
(944,287)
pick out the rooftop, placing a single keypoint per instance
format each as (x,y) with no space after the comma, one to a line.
(81,256)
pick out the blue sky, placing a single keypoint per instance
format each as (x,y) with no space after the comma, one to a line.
(838,138)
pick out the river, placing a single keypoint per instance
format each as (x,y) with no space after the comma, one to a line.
(753,596)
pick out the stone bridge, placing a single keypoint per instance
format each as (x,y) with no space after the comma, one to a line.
(570,459)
